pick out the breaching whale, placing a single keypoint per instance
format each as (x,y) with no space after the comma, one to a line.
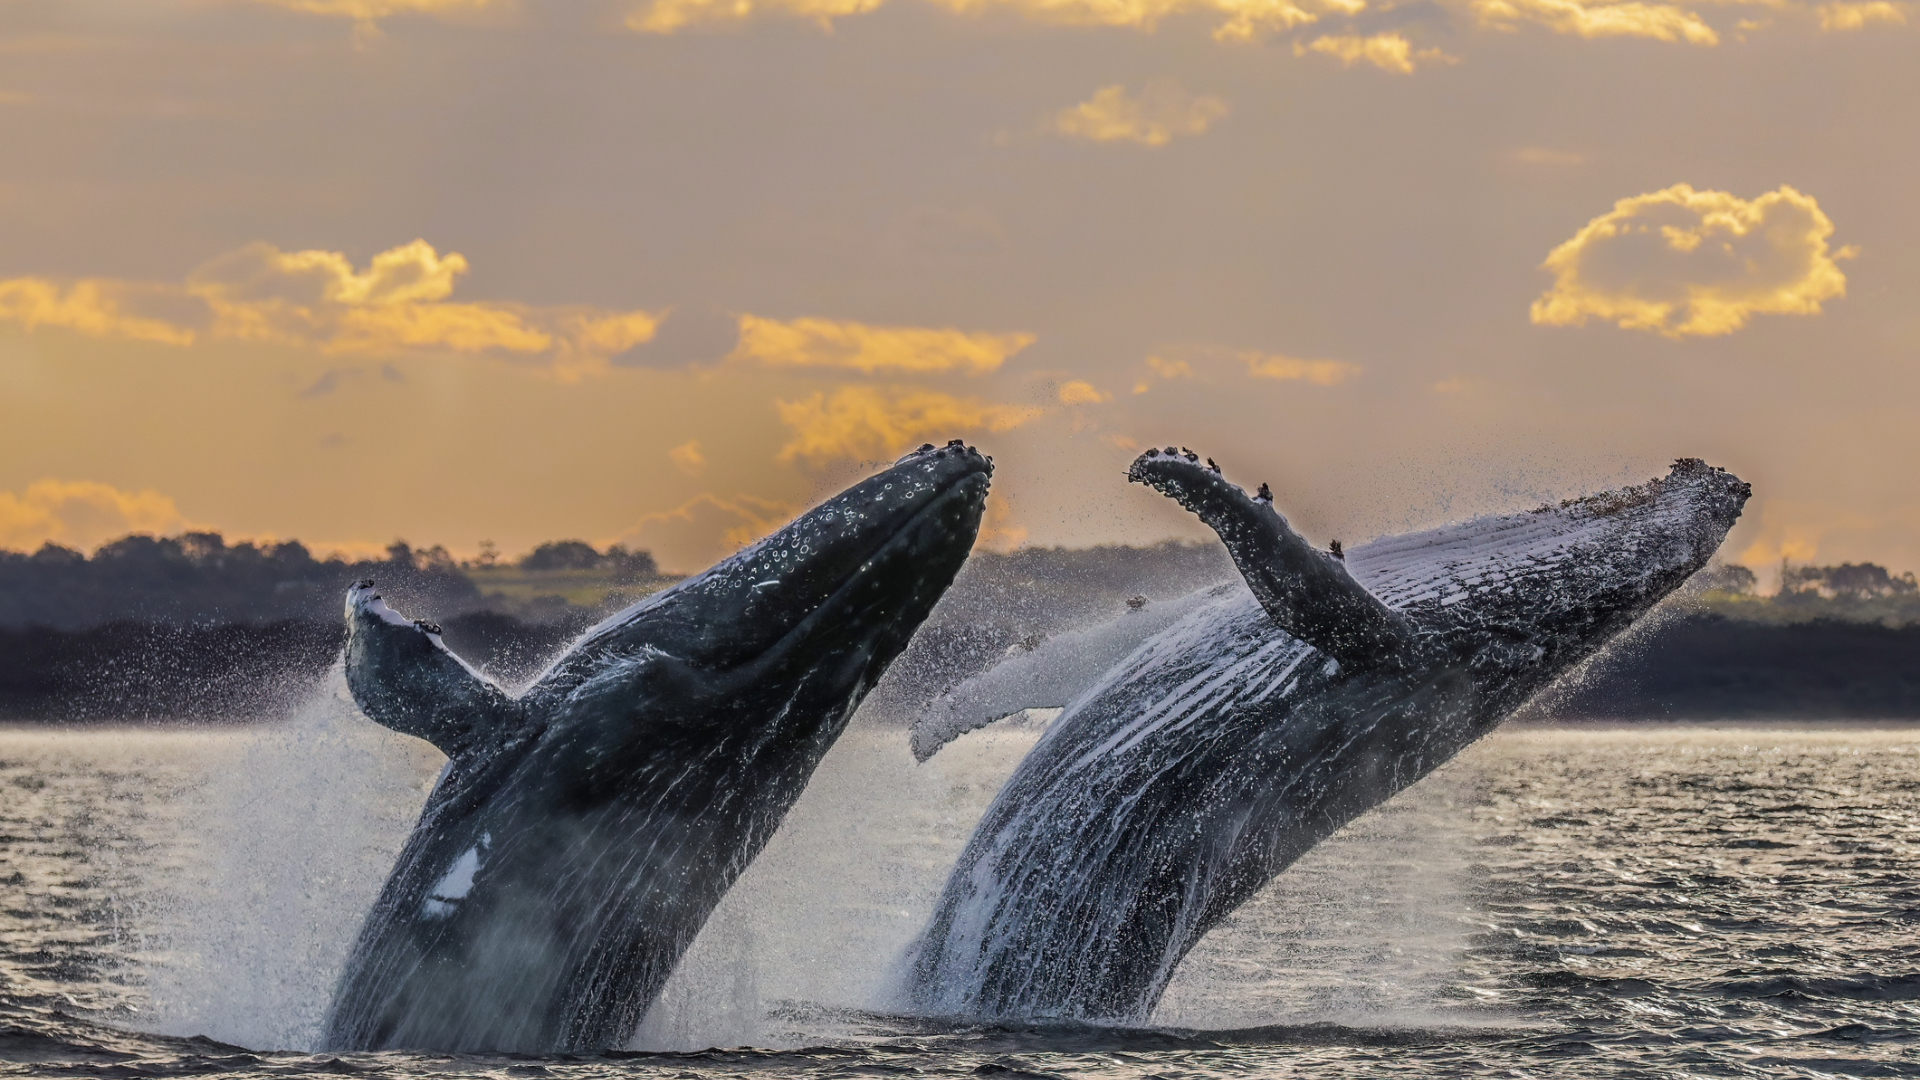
(584,829)
(1226,745)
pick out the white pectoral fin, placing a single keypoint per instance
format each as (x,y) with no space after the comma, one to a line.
(946,721)
(1047,676)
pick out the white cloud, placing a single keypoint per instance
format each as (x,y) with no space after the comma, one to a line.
(1684,263)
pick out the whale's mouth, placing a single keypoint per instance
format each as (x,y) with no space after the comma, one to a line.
(910,567)
(880,553)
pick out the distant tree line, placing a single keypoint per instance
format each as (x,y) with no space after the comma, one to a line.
(1849,592)
(194,627)
(580,555)
(200,579)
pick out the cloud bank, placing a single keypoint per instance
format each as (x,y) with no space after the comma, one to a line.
(317,299)
(1162,110)
(864,423)
(1238,20)
(1686,263)
(853,346)
(82,514)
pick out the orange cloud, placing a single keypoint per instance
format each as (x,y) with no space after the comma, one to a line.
(317,299)
(1081,392)
(370,10)
(82,514)
(688,458)
(1162,110)
(1798,531)
(90,306)
(705,529)
(1317,372)
(1166,369)
(1682,263)
(1848,15)
(667,16)
(1540,155)
(1388,51)
(826,343)
(1170,369)
(998,529)
(1662,22)
(1240,20)
(866,423)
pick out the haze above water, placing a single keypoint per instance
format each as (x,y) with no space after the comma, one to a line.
(1652,900)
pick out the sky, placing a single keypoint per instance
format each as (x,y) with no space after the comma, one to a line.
(665,272)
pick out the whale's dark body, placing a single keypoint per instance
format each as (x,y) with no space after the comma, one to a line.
(584,829)
(1228,744)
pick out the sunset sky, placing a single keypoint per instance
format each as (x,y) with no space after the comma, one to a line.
(665,271)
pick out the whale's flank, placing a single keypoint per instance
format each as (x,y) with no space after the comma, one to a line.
(1228,744)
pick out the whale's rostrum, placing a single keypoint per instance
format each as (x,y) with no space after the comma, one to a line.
(584,828)
(1182,779)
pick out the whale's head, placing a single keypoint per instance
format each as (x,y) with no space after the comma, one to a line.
(1531,594)
(806,620)
(1515,600)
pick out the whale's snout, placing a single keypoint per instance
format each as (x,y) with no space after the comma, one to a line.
(870,561)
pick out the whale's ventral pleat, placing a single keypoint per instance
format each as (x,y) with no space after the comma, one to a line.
(1308,592)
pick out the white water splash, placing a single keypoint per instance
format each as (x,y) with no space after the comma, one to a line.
(286,844)
(284,849)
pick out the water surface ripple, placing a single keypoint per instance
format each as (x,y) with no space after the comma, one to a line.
(1666,900)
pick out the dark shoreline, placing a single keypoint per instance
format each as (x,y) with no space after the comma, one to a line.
(1694,668)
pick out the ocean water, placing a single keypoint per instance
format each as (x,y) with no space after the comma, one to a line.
(1653,900)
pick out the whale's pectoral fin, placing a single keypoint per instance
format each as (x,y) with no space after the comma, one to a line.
(1048,673)
(1307,592)
(405,678)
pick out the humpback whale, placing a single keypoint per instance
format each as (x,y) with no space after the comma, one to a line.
(585,828)
(1226,745)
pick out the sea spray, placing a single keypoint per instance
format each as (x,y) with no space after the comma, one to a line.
(819,920)
(284,846)
(1366,930)
(287,844)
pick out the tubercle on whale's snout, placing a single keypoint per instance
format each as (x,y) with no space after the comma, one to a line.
(954,446)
